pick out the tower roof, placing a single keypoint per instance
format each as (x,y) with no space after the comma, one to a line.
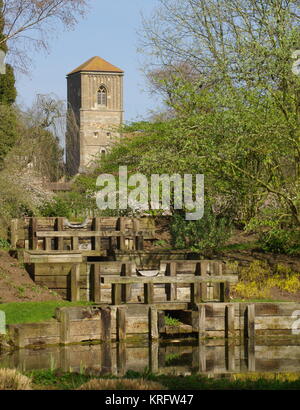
(97,64)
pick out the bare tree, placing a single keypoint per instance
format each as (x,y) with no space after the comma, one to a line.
(30,23)
(243,41)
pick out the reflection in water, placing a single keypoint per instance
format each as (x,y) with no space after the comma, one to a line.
(212,358)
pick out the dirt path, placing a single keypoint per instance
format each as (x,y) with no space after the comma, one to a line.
(16,284)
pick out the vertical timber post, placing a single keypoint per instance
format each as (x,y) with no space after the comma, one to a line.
(121,226)
(116,294)
(199,320)
(75,243)
(14,233)
(153,323)
(126,289)
(250,322)
(139,240)
(105,325)
(64,326)
(121,323)
(224,292)
(96,283)
(59,226)
(75,283)
(250,333)
(171,288)
(148,293)
(229,321)
(97,239)
(33,239)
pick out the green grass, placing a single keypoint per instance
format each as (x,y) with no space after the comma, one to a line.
(171,321)
(240,300)
(58,380)
(32,312)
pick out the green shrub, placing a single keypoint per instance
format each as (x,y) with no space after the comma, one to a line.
(4,244)
(280,241)
(208,233)
(57,207)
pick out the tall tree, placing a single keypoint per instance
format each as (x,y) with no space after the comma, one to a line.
(8,93)
(30,23)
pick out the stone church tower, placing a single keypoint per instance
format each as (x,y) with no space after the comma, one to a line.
(95,110)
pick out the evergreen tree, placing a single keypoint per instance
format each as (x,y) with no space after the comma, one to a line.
(8,93)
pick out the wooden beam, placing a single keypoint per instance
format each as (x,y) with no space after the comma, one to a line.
(121,323)
(201,319)
(148,293)
(97,239)
(229,321)
(105,325)
(171,289)
(75,243)
(116,294)
(153,323)
(33,237)
(122,227)
(126,271)
(96,283)
(187,279)
(250,322)
(75,285)
(59,226)
(225,291)
(53,258)
(161,321)
(14,233)
(87,234)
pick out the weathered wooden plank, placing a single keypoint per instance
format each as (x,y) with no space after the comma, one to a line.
(250,322)
(96,283)
(33,240)
(230,356)
(87,234)
(116,294)
(53,258)
(201,321)
(121,323)
(106,325)
(229,321)
(59,226)
(171,289)
(168,279)
(161,321)
(59,282)
(225,291)
(195,291)
(153,323)
(65,326)
(148,293)
(48,244)
(75,283)
(75,243)
(126,271)
(14,233)
(122,228)
(97,239)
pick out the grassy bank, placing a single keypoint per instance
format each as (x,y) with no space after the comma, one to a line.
(32,312)
(57,380)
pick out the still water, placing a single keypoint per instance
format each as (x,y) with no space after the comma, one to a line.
(177,358)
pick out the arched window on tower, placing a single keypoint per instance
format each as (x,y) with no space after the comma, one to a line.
(102,95)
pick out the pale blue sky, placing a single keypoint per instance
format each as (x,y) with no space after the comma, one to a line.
(109,31)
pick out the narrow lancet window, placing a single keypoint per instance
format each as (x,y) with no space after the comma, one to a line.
(102,95)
